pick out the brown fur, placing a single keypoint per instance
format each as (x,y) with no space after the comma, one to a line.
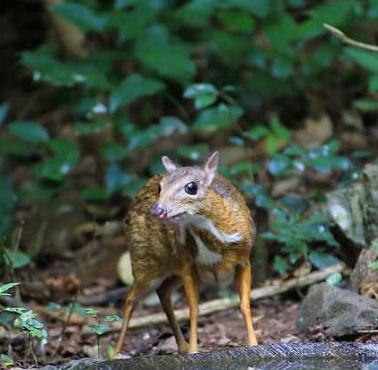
(154,245)
(162,258)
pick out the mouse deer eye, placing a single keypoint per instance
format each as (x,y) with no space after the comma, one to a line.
(191,188)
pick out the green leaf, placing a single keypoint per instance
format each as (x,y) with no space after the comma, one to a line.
(85,18)
(133,187)
(3,112)
(91,128)
(17,259)
(203,94)
(334,278)
(99,329)
(278,165)
(334,12)
(132,88)
(29,131)
(46,67)
(261,8)
(6,360)
(130,24)
(171,125)
(366,105)
(280,265)
(193,152)
(37,191)
(116,178)
(16,310)
(95,193)
(113,318)
(373,83)
(91,311)
(235,20)
(282,32)
(5,287)
(221,116)
(51,307)
(373,265)
(195,13)
(322,260)
(114,152)
(65,157)
(366,59)
(119,4)
(169,58)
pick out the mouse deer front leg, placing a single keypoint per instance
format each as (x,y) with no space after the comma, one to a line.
(243,286)
(190,281)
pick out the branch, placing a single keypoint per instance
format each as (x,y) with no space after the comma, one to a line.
(344,38)
(224,303)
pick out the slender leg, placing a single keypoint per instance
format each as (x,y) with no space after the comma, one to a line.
(243,287)
(164,292)
(190,280)
(135,292)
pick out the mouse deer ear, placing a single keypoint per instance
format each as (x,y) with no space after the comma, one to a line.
(168,164)
(211,167)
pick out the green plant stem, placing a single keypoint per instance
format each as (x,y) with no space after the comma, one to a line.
(344,38)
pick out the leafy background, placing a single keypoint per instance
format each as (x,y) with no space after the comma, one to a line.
(116,84)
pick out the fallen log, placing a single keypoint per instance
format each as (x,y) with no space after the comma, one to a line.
(206,308)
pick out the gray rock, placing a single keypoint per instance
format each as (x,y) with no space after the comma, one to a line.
(355,209)
(340,311)
(292,356)
(364,279)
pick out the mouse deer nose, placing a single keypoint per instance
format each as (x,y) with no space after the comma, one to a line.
(158,211)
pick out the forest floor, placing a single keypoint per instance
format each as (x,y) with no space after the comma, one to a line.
(274,320)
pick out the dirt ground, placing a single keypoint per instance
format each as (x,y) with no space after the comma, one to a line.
(274,322)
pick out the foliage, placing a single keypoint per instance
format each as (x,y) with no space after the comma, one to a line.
(100,327)
(160,72)
(6,360)
(5,287)
(26,321)
(295,233)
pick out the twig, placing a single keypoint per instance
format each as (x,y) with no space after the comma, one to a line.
(278,287)
(63,330)
(344,38)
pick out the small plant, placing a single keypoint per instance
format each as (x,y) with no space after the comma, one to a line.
(374,265)
(25,321)
(100,327)
(6,360)
(295,232)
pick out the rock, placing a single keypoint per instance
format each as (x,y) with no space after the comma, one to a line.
(168,345)
(324,356)
(364,279)
(355,209)
(339,311)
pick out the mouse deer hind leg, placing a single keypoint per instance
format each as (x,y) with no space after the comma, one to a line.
(243,286)
(164,292)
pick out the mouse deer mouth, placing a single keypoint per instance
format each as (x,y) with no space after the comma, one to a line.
(176,218)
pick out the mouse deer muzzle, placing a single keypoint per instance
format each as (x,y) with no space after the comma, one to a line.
(158,211)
